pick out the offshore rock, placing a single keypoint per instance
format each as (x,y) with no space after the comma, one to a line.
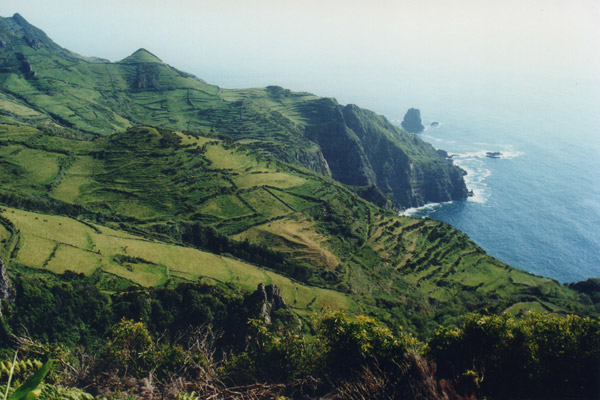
(493,154)
(412,121)
(265,300)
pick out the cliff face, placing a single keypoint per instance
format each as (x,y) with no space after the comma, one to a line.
(340,146)
(363,149)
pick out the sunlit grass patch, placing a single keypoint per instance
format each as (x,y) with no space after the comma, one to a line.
(280,180)
(265,203)
(41,167)
(296,236)
(74,259)
(223,158)
(226,206)
(34,250)
(58,229)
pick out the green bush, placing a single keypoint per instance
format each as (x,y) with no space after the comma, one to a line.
(537,356)
(352,342)
(131,349)
(277,355)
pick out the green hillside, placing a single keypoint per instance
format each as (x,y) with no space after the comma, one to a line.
(266,176)
(42,83)
(177,188)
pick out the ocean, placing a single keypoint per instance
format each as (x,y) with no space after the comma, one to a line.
(537,206)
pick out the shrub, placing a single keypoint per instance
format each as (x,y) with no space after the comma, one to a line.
(538,356)
(352,342)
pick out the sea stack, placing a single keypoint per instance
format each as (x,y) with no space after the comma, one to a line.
(412,121)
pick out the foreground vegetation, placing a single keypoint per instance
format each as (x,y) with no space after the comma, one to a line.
(200,340)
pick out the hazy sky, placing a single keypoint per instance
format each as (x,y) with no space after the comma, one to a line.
(334,44)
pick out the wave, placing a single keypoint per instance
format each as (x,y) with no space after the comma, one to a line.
(477,164)
(475,178)
(506,153)
(423,211)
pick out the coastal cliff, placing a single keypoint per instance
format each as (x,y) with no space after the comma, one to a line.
(364,149)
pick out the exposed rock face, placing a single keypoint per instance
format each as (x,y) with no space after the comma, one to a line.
(35,38)
(412,121)
(265,300)
(341,146)
(374,195)
(314,161)
(7,292)
(365,149)
(147,76)
(25,66)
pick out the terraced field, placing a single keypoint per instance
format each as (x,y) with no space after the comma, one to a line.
(58,244)
(158,184)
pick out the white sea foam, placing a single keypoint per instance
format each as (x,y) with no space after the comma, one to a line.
(506,152)
(423,210)
(431,138)
(476,176)
(478,166)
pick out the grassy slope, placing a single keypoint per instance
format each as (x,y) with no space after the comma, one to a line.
(57,244)
(391,265)
(102,98)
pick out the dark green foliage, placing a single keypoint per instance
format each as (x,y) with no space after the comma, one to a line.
(130,348)
(277,355)
(539,356)
(341,346)
(350,343)
(70,311)
(591,288)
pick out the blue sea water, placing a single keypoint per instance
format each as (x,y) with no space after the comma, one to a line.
(537,207)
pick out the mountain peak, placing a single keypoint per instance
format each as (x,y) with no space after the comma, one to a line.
(142,56)
(17,28)
(18,18)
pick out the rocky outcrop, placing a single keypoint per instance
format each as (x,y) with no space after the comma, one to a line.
(493,154)
(314,161)
(412,121)
(7,292)
(25,66)
(147,77)
(265,300)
